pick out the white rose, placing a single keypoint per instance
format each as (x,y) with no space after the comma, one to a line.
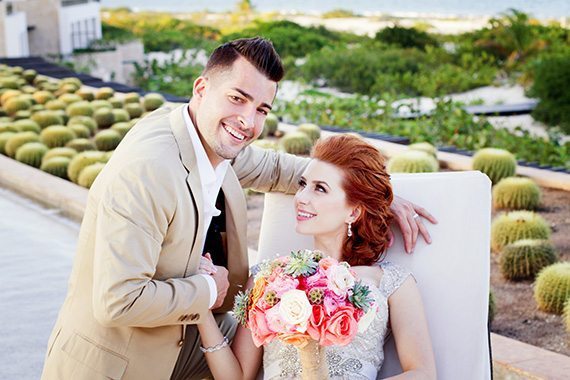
(367,319)
(340,279)
(295,308)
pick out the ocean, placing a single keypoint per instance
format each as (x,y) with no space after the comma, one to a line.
(537,8)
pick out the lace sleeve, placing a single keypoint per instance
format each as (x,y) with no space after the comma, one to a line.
(394,276)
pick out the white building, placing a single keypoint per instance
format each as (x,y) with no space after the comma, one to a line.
(53,27)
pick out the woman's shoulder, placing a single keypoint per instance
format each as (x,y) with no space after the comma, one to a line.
(393,277)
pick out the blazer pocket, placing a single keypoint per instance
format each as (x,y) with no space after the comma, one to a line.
(95,356)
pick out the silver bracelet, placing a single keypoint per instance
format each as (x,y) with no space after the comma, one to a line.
(217,347)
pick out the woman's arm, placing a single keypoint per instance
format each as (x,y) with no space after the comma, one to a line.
(409,326)
(241,361)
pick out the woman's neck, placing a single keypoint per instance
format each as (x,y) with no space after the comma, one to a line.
(329,245)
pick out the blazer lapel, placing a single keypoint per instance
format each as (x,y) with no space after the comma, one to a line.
(188,158)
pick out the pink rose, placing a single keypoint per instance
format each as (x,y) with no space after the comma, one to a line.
(275,321)
(340,328)
(316,322)
(317,280)
(282,284)
(326,263)
(260,331)
(332,301)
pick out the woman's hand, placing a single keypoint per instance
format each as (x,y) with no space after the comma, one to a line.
(206,265)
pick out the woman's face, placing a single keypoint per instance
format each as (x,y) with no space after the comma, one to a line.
(320,202)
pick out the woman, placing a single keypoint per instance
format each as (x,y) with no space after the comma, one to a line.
(344,202)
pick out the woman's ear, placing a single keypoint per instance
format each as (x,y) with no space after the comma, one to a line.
(355,214)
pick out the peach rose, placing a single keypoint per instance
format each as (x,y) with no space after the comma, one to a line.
(295,339)
(340,328)
(326,263)
(260,331)
(258,290)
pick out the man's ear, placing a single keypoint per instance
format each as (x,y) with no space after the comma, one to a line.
(199,87)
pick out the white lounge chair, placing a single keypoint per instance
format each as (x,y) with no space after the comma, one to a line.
(452,273)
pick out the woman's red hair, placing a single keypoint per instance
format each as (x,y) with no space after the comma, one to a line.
(367,185)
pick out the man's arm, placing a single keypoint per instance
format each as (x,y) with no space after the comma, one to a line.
(132,221)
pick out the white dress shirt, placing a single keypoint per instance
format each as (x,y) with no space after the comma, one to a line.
(211,180)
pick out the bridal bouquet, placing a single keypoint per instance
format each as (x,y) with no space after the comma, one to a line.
(307,300)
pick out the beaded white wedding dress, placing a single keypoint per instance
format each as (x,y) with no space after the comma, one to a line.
(362,358)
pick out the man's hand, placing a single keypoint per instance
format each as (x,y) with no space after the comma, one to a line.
(222,284)
(408,216)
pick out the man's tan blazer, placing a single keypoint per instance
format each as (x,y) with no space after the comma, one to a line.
(133,286)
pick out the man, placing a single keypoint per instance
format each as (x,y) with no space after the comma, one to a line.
(134,293)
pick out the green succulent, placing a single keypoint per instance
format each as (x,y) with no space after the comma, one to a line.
(492,307)
(4,137)
(27,125)
(97,104)
(496,163)
(8,127)
(566,314)
(122,128)
(116,102)
(296,143)
(72,80)
(153,101)
(107,140)
(87,121)
(89,174)
(17,140)
(80,162)
(81,145)
(516,193)
(55,104)
(22,115)
(134,110)
(301,263)
(60,152)
(270,125)
(57,136)
(266,144)
(82,108)
(56,166)
(31,153)
(360,296)
(424,147)
(16,104)
(80,130)
(517,225)
(311,130)
(104,93)
(29,75)
(104,118)
(240,309)
(412,161)
(132,97)
(85,94)
(8,94)
(28,90)
(67,88)
(120,115)
(42,97)
(107,155)
(70,99)
(47,118)
(552,287)
(36,108)
(523,259)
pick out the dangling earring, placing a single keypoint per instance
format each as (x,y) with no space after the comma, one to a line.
(349,232)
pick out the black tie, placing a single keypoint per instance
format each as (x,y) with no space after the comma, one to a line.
(214,243)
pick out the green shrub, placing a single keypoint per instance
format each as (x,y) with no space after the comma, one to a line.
(60,152)
(56,166)
(405,37)
(86,94)
(17,140)
(412,161)
(120,115)
(80,130)
(516,193)
(96,104)
(311,130)
(107,140)
(517,225)
(70,99)
(80,162)
(153,101)
(104,93)
(551,81)
(81,145)
(29,75)
(552,287)
(424,147)
(57,136)
(67,88)
(122,128)
(42,97)
(496,163)
(89,174)
(296,143)
(82,108)
(89,122)
(116,102)
(31,153)
(47,118)
(4,137)
(16,104)
(132,97)
(36,108)
(73,81)
(104,118)
(523,259)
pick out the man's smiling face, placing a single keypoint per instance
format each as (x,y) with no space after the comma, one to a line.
(230,108)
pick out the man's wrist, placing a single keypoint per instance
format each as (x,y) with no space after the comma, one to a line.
(213,289)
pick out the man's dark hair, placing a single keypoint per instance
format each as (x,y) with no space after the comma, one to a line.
(258,51)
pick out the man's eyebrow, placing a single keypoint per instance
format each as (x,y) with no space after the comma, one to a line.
(250,98)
